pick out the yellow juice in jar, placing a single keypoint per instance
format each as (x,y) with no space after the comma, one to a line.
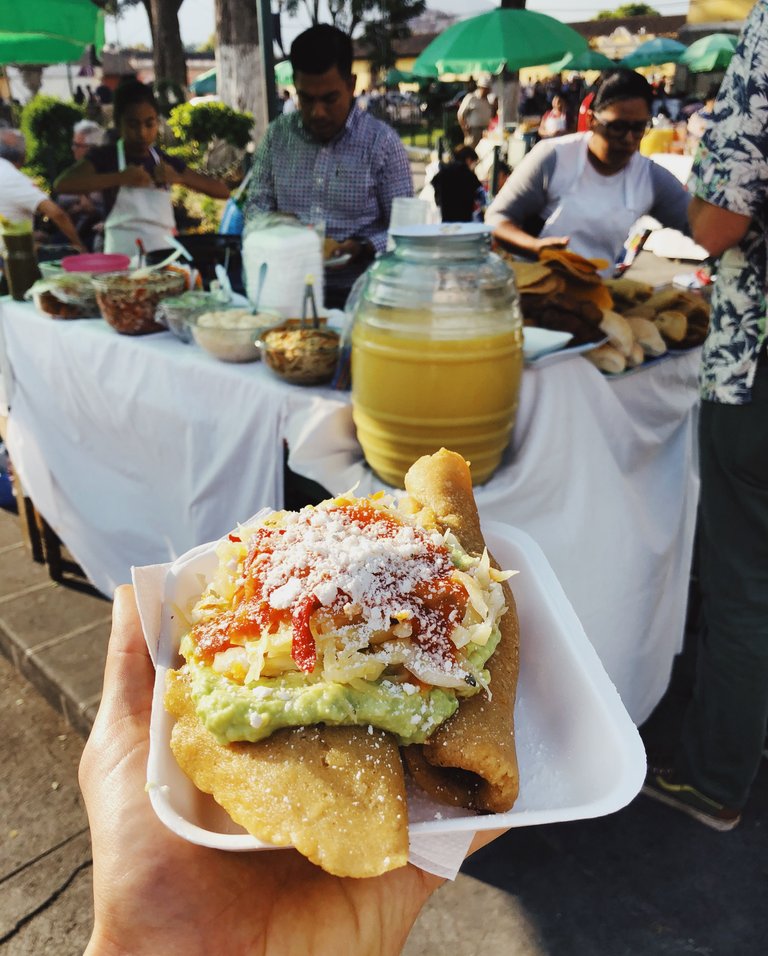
(413,394)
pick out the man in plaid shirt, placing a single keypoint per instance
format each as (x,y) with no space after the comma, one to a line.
(331,161)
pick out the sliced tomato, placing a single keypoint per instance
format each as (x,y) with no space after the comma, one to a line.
(303,647)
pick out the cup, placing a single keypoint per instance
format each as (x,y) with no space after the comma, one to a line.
(20,264)
(407,211)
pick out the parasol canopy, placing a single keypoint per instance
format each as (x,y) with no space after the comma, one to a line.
(395,76)
(49,31)
(586,60)
(284,73)
(653,53)
(713,52)
(205,83)
(501,38)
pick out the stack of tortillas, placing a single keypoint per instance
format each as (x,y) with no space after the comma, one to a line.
(657,322)
(553,296)
(565,292)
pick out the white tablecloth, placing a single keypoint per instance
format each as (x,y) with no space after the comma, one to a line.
(601,473)
(136,450)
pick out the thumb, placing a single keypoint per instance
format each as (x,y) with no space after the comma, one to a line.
(128,675)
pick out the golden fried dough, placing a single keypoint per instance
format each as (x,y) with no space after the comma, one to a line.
(470,760)
(335,793)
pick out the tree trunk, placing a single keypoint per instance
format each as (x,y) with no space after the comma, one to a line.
(32,77)
(509,92)
(239,70)
(167,49)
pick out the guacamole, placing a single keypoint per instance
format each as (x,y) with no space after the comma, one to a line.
(232,711)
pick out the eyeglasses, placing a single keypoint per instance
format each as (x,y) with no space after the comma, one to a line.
(618,129)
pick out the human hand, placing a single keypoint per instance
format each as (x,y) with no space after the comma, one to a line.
(550,242)
(164,175)
(136,176)
(357,249)
(156,893)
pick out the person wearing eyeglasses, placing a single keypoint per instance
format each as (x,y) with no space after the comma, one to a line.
(585,190)
(85,209)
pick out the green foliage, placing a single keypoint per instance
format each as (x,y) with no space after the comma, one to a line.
(47,122)
(196,125)
(379,33)
(628,10)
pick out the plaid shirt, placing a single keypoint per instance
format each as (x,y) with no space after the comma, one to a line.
(350,180)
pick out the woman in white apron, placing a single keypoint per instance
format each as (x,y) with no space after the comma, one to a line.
(585,191)
(135,177)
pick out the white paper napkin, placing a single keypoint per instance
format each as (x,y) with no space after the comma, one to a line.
(441,854)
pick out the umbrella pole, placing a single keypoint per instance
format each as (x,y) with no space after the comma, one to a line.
(509,98)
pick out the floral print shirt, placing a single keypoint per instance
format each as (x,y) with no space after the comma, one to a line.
(731,170)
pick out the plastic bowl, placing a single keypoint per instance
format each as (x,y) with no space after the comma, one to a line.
(176,312)
(95,262)
(303,356)
(229,334)
(129,304)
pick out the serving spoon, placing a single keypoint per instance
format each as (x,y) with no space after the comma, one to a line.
(143,273)
(259,286)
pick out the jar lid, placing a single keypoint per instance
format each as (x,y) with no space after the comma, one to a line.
(442,230)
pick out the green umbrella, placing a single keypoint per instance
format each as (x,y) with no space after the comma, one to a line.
(284,73)
(587,60)
(501,38)
(713,52)
(204,84)
(653,53)
(49,31)
(395,76)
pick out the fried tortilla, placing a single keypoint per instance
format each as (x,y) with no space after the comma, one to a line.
(408,619)
(470,760)
(335,793)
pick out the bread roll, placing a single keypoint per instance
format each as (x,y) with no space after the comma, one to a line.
(618,331)
(672,324)
(636,356)
(643,311)
(629,289)
(666,299)
(607,359)
(647,335)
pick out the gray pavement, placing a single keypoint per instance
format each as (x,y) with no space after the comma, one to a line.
(642,881)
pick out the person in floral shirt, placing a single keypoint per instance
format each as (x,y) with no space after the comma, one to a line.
(724,731)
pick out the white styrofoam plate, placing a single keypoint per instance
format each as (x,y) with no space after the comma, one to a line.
(537,342)
(580,754)
(564,352)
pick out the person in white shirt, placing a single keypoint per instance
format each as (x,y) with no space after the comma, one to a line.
(585,190)
(289,104)
(554,122)
(20,198)
(475,112)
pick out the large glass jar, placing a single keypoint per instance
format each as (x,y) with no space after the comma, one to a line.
(436,351)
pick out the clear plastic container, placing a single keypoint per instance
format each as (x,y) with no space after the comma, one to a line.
(128,300)
(437,351)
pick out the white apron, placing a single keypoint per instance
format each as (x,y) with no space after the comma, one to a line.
(139,213)
(597,221)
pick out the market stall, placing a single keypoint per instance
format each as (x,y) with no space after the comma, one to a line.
(136,449)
